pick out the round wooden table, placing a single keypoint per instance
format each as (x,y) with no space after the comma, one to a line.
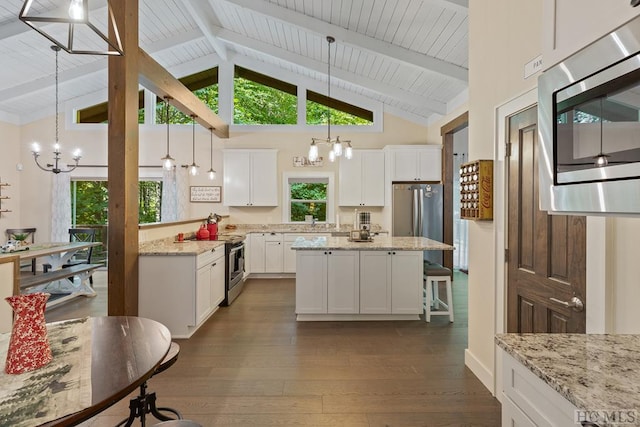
(125,352)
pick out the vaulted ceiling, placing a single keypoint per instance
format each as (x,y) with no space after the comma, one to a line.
(410,55)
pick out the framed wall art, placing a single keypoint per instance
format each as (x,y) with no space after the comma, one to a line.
(206,194)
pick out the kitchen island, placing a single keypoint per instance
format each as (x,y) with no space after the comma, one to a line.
(339,279)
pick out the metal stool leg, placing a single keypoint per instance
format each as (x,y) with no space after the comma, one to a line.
(145,404)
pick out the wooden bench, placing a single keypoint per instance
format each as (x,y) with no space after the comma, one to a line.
(81,270)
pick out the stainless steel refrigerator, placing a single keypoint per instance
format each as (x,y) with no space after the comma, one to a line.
(417,211)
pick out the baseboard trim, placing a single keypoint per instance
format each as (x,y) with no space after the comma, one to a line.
(479,370)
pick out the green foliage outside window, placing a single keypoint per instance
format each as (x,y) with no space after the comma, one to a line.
(257,104)
(208,95)
(308,199)
(317,115)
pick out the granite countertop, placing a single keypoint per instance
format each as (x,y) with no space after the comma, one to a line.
(379,243)
(293,228)
(593,372)
(170,247)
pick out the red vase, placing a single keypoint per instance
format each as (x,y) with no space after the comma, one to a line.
(28,346)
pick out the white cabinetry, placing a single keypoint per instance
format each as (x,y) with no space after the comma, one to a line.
(416,163)
(289,256)
(267,253)
(256,256)
(250,178)
(327,282)
(181,291)
(391,282)
(273,253)
(362,179)
(529,401)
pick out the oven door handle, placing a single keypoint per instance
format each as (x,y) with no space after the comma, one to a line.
(236,249)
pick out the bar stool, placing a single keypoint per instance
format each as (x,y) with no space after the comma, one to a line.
(145,403)
(433,305)
(177,423)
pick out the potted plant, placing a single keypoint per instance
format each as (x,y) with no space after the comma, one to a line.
(21,238)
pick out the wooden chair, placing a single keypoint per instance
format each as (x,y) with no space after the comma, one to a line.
(30,232)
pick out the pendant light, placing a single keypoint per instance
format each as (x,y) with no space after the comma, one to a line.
(167,161)
(55,166)
(80,32)
(211,173)
(193,168)
(601,160)
(336,145)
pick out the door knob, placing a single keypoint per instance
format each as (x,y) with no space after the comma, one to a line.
(575,303)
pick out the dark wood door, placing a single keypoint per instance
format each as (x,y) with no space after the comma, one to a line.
(546,254)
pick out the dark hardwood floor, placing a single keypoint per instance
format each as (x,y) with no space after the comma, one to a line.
(252,364)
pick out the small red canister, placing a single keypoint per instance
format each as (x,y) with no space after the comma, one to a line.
(203,233)
(212,227)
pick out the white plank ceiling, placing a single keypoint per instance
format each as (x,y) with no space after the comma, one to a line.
(410,55)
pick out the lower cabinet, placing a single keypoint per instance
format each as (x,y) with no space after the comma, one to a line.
(181,291)
(391,282)
(327,282)
(358,282)
(289,256)
(529,401)
(273,253)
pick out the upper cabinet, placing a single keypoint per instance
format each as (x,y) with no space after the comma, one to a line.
(570,25)
(250,178)
(416,162)
(362,179)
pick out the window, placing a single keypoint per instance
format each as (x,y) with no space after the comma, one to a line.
(263,100)
(308,194)
(203,84)
(342,113)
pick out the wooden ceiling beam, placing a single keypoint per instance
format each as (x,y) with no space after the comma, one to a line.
(158,80)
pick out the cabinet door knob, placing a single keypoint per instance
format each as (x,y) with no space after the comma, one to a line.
(394,253)
(214,264)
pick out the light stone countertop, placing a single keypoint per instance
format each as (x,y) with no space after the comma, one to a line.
(593,372)
(169,247)
(379,243)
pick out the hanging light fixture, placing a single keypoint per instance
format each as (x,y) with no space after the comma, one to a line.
(336,145)
(55,166)
(72,29)
(601,160)
(167,161)
(193,168)
(211,173)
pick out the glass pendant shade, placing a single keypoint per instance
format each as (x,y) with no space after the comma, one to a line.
(332,156)
(167,161)
(193,168)
(211,173)
(313,152)
(348,151)
(337,148)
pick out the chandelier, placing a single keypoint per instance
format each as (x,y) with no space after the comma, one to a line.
(55,167)
(336,145)
(72,29)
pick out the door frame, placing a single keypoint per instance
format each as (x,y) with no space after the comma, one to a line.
(598,296)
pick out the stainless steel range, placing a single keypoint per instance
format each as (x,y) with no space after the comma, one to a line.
(234,268)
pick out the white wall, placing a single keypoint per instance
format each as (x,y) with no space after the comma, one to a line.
(91,139)
(10,148)
(503,36)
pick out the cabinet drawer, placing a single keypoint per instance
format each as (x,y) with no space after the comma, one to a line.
(543,405)
(210,256)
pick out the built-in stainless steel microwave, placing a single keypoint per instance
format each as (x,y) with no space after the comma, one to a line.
(589,128)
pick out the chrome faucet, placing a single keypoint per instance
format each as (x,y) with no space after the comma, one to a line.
(313,222)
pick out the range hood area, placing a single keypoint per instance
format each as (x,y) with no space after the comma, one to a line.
(589,128)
